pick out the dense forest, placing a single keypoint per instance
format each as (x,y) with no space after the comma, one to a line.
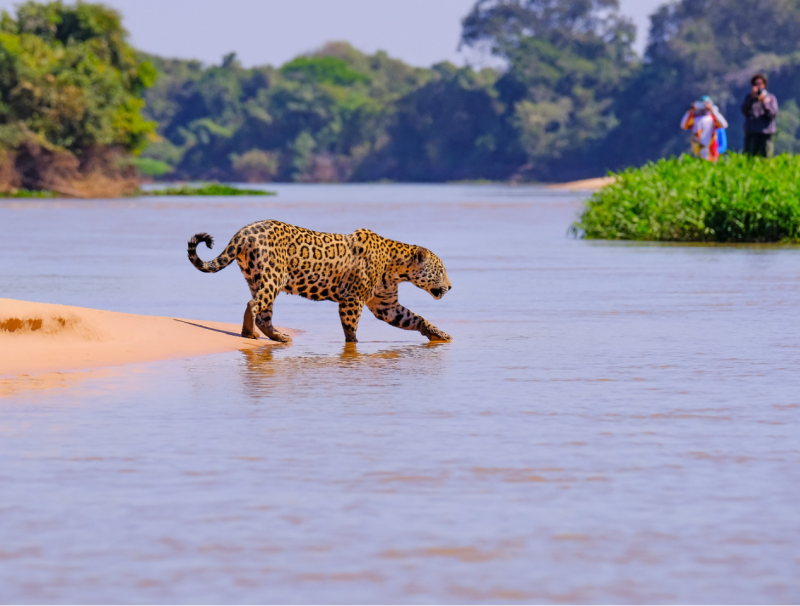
(573,100)
(70,100)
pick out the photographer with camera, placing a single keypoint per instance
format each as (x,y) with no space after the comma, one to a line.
(760,110)
(706,122)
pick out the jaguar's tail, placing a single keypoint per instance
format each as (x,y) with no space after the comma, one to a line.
(221,262)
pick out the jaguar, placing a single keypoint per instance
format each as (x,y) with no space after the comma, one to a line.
(353,270)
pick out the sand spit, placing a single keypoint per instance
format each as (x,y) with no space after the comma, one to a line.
(584,184)
(37,338)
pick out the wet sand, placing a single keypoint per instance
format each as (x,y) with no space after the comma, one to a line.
(42,338)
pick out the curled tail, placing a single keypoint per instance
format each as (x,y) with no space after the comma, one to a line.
(210,267)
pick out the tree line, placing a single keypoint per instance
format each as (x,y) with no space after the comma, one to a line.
(573,100)
(71,100)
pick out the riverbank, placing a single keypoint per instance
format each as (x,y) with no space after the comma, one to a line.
(38,338)
(583,184)
(220,189)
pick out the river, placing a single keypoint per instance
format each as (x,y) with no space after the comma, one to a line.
(613,422)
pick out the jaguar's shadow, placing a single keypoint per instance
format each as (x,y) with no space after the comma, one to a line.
(224,332)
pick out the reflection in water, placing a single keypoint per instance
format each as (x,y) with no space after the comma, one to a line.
(267,372)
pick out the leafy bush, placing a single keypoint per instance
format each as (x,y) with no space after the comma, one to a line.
(208,189)
(27,193)
(738,199)
(70,100)
(255,166)
(151,167)
(69,78)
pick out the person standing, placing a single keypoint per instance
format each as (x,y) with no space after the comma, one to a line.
(760,110)
(704,119)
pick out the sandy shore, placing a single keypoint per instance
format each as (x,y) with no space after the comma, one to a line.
(583,185)
(38,338)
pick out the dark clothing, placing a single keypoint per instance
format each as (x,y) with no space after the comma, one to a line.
(759,116)
(756,144)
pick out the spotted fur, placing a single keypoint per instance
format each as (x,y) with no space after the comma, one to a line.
(353,270)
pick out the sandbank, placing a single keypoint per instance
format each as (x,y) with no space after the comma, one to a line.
(583,184)
(39,338)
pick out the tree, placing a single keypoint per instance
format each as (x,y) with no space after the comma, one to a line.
(448,129)
(69,84)
(567,60)
(317,117)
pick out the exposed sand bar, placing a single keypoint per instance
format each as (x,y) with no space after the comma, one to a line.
(584,184)
(40,338)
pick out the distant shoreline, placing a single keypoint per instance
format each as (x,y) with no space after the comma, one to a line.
(583,184)
(168,188)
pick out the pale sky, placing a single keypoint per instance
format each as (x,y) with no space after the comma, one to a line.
(420,32)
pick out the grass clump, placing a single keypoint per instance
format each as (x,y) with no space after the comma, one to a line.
(207,189)
(738,199)
(28,193)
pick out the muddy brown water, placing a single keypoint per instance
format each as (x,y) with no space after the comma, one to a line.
(612,423)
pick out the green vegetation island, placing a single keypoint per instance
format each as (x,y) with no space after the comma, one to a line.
(207,189)
(739,199)
(83,113)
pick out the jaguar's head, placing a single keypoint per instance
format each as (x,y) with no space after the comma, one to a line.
(428,273)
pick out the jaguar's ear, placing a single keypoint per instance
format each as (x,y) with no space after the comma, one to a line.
(421,254)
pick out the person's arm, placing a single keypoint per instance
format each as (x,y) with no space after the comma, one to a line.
(770,106)
(719,119)
(688,119)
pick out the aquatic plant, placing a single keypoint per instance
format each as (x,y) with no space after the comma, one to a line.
(27,193)
(207,189)
(738,199)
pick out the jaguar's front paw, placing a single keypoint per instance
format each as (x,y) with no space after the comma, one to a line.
(435,334)
(249,335)
(442,336)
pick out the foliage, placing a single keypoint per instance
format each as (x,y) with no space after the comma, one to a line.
(572,100)
(338,114)
(70,100)
(449,129)
(738,199)
(27,193)
(69,78)
(787,140)
(314,119)
(567,62)
(208,189)
(151,167)
(331,70)
(255,166)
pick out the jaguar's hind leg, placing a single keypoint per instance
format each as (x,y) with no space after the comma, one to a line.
(249,324)
(261,309)
(264,323)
